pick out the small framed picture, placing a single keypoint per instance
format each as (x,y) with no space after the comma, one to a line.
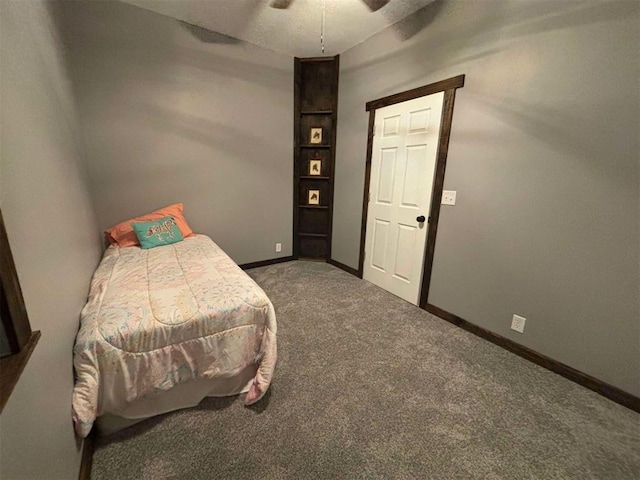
(314,197)
(315,136)
(315,166)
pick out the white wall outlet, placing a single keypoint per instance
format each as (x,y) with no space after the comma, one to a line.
(517,323)
(448,197)
(278,247)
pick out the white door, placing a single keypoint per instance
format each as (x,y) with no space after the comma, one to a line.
(403,161)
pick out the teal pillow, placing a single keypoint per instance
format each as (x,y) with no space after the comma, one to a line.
(157,233)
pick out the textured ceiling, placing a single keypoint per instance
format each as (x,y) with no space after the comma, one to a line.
(295,30)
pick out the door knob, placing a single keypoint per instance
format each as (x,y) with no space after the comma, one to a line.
(420,219)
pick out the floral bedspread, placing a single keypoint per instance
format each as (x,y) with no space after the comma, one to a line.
(159,317)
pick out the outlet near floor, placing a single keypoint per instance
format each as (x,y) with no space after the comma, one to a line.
(278,247)
(517,323)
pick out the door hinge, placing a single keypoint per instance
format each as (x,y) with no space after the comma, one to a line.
(429,219)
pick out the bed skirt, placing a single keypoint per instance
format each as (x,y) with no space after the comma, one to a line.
(185,395)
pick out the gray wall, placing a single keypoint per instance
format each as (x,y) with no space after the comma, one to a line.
(544,155)
(54,237)
(175,113)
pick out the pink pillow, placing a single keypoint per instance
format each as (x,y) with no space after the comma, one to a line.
(123,235)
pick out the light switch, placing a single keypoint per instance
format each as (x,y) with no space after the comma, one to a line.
(448,197)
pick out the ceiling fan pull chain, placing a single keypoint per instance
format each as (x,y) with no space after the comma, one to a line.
(324,5)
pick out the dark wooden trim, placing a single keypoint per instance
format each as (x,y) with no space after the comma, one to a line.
(443,85)
(15,321)
(11,368)
(316,235)
(317,59)
(436,196)
(332,156)
(14,313)
(264,263)
(609,391)
(344,267)
(365,198)
(297,82)
(316,112)
(88,447)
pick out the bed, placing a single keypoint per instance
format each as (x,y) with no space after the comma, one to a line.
(164,327)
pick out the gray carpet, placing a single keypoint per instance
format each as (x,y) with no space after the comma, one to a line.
(369,386)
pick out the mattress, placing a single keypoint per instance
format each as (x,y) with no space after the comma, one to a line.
(165,316)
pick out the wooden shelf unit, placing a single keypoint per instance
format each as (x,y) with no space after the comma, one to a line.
(313,177)
(315,106)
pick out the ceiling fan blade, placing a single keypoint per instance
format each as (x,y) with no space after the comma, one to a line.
(280,4)
(375,4)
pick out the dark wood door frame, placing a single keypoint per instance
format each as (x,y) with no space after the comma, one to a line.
(449,88)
